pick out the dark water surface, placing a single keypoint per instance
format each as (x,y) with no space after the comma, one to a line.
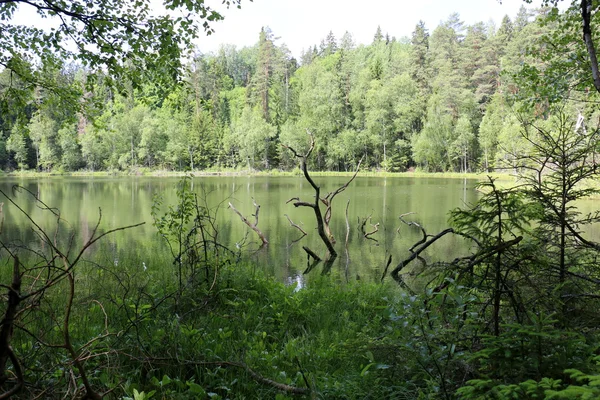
(128,200)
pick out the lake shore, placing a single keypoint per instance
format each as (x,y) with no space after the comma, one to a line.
(245,172)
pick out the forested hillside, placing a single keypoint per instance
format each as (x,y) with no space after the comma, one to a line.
(449,98)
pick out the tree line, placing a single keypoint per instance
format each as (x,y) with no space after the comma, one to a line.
(443,100)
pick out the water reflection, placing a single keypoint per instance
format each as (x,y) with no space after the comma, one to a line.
(298,280)
(126,201)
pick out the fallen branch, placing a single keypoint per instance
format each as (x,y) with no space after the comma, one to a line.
(253,226)
(416,252)
(311,253)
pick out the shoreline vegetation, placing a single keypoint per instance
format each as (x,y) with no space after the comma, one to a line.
(246,172)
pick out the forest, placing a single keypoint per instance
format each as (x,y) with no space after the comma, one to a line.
(115,87)
(449,98)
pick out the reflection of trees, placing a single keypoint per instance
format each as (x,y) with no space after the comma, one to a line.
(79,200)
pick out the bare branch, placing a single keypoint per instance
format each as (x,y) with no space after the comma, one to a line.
(296,225)
(328,201)
(252,226)
(311,253)
(395,273)
(6,332)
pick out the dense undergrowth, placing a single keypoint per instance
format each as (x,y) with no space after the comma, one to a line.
(516,319)
(250,336)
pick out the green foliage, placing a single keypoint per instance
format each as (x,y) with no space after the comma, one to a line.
(486,389)
(251,136)
(444,101)
(106,33)
(430,334)
(42,131)
(190,233)
(532,350)
(17,144)
(70,148)
(581,386)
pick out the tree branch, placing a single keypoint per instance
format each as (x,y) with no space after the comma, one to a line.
(252,226)
(586,15)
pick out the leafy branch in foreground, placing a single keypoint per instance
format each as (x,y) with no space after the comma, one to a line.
(106,34)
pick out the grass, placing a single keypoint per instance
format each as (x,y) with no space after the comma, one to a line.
(319,335)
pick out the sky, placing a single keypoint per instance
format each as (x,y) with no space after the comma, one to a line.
(303,23)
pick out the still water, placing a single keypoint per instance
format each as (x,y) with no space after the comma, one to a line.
(128,200)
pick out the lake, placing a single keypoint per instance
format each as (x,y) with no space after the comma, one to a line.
(128,200)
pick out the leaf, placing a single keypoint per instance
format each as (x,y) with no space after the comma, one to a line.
(365,370)
(195,388)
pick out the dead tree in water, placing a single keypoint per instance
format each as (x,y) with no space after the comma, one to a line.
(253,226)
(315,206)
(328,200)
(322,219)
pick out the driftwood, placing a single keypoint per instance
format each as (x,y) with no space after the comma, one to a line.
(427,240)
(322,219)
(415,250)
(253,226)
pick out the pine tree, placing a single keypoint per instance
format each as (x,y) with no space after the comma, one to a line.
(378,35)
(419,68)
(522,19)
(264,69)
(329,45)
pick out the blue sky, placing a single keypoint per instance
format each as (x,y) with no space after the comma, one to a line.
(301,23)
